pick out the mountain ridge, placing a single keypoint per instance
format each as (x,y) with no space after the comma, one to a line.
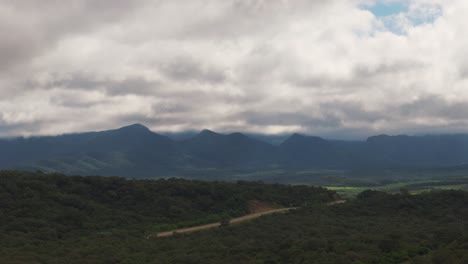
(136,151)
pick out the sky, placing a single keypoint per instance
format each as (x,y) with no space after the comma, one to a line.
(382,9)
(336,68)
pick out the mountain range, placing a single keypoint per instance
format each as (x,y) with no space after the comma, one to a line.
(135,151)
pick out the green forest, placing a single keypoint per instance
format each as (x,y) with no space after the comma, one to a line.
(53,218)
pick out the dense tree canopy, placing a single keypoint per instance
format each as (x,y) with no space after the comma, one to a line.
(51,218)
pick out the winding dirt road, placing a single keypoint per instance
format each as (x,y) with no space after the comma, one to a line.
(232,221)
(337,202)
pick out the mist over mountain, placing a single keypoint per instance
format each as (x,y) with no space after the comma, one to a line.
(135,151)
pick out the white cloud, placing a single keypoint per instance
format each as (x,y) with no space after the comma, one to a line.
(320,67)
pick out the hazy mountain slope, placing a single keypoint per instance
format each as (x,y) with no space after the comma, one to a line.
(126,151)
(306,151)
(135,151)
(437,150)
(233,150)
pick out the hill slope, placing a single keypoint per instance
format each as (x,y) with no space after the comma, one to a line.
(233,150)
(60,219)
(40,210)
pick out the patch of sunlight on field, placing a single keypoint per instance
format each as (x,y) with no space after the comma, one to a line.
(348,191)
(422,186)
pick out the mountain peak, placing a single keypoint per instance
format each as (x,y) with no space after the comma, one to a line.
(298,139)
(135,127)
(207,132)
(296,135)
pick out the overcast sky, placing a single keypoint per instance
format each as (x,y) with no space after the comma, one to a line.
(336,68)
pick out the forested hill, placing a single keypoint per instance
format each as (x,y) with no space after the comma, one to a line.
(37,207)
(135,151)
(52,218)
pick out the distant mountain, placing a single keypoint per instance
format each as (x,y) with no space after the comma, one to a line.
(179,136)
(307,151)
(274,140)
(129,150)
(416,151)
(233,150)
(135,151)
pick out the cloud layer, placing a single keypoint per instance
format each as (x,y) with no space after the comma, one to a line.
(277,66)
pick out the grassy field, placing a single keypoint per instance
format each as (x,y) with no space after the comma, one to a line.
(413,186)
(349,184)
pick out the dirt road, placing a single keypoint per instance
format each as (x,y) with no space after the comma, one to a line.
(337,202)
(233,220)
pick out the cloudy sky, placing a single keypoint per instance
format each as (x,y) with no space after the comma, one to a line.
(336,68)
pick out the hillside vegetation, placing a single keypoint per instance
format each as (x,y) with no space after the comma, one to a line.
(51,218)
(39,209)
(375,228)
